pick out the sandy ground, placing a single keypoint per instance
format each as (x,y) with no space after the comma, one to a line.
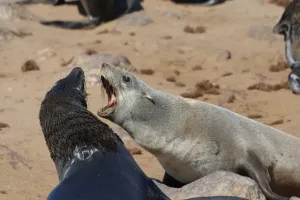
(241,27)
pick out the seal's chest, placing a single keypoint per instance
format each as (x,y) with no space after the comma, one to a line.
(188,164)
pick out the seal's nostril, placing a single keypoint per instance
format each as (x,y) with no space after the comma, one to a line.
(104,65)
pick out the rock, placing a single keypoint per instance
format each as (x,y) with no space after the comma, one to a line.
(198,29)
(3,125)
(219,183)
(45,54)
(262,32)
(135,151)
(30,65)
(147,71)
(280,66)
(91,65)
(10,11)
(231,99)
(225,55)
(134,19)
(9,30)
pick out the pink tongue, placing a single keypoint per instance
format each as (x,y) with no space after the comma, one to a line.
(112,100)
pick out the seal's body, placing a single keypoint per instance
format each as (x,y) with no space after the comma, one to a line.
(288,26)
(192,139)
(91,161)
(97,11)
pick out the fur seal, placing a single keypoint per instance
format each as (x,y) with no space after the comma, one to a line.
(91,160)
(97,11)
(191,138)
(288,26)
(201,2)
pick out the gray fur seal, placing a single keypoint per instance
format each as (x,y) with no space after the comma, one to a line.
(91,160)
(288,26)
(191,138)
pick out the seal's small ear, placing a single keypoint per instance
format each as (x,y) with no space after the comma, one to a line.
(148,96)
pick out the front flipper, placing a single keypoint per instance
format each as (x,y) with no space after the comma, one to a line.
(255,169)
(171,182)
(74,25)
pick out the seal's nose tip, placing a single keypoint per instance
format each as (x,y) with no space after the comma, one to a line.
(104,65)
(77,72)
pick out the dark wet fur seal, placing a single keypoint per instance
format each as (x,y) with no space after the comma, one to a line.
(97,11)
(192,139)
(200,2)
(91,160)
(289,27)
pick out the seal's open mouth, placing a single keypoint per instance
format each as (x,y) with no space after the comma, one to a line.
(111,95)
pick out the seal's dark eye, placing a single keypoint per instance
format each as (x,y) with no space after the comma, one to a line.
(126,79)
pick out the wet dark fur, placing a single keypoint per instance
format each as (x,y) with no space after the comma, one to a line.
(98,11)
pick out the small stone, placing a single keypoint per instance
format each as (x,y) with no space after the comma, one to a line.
(193,94)
(280,66)
(30,65)
(66,62)
(255,116)
(45,54)
(176,72)
(231,99)
(225,55)
(147,71)
(90,52)
(135,151)
(179,84)
(171,79)
(167,37)
(198,29)
(227,74)
(197,67)
(3,192)
(276,122)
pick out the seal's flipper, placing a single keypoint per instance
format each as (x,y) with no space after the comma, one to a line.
(171,182)
(259,173)
(201,2)
(72,24)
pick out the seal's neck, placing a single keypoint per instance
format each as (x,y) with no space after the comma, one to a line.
(155,125)
(289,49)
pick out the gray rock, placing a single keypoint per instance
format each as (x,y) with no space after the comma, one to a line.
(91,65)
(216,184)
(9,30)
(10,11)
(134,19)
(262,32)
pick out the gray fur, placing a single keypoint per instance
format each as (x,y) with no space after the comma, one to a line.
(288,26)
(192,139)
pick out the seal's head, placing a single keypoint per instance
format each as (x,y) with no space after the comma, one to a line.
(67,124)
(124,92)
(289,26)
(73,85)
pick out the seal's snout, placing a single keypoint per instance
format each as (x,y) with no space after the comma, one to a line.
(294,80)
(74,81)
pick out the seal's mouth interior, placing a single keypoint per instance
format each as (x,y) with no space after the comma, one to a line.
(111,94)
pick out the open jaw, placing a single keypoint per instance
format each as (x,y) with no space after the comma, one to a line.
(112,98)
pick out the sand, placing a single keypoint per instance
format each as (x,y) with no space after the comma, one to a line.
(233,47)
